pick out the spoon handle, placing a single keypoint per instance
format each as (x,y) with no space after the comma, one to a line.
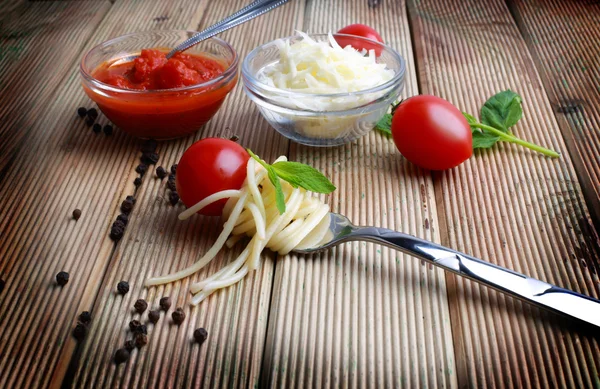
(245,14)
(529,289)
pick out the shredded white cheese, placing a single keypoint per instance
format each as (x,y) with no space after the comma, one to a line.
(312,67)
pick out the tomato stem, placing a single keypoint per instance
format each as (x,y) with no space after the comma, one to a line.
(514,139)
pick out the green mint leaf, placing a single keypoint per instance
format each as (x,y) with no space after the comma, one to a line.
(297,175)
(257,159)
(279,197)
(502,111)
(384,124)
(304,176)
(470,119)
(483,140)
(499,113)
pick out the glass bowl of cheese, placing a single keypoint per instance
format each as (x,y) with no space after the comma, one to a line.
(318,93)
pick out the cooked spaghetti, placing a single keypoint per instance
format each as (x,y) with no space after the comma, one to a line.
(251,211)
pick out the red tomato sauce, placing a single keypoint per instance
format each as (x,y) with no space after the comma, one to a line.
(160,111)
(152,70)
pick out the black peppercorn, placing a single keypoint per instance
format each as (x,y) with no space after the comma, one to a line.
(141,329)
(129,345)
(82,112)
(161,172)
(165,303)
(85,317)
(178,316)
(92,113)
(123,287)
(119,224)
(154,316)
(141,340)
(149,146)
(79,331)
(108,130)
(76,214)
(97,128)
(131,199)
(121,356)
(116,231)
(126,206)
(89,121)
(141,168)
(2,283)
(200,335)
(149,158)
(134,324)
(140,305)
(123,218)
(137,181)
(174,169)
(173,198)
(62,278)
(172,186)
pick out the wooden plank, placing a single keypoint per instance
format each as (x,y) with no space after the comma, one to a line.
(362,315)
(507,205)
(7,7)
(63,167)
(38,44)
(41,43)
(156,243)
(563,39)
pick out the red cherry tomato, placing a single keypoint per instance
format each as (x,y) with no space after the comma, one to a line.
(209,166)
(431,133)
(363,31)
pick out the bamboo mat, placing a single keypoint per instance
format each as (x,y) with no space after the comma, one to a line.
(359,316)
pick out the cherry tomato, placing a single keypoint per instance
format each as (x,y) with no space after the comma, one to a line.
(431,133)
(363,31)
(209,166)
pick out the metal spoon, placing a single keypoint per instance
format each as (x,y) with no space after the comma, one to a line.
(528,289)
(245,14)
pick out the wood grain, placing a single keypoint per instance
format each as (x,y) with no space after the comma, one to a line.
(563,39)
(507,205)
(156,242)
(33,325)
(33,62)
(362,315)
(359,316)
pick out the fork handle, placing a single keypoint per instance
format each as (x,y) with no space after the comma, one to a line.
(542,294)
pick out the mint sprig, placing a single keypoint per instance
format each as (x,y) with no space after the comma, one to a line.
(499,113)
(297,174)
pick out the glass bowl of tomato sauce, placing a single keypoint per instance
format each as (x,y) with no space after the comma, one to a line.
(152,97)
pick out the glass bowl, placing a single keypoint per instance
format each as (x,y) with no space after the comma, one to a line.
(354,114)
(164,113)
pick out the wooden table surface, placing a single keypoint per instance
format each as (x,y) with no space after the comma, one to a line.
(358,316)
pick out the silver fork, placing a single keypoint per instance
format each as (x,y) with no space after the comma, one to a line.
(528,289)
